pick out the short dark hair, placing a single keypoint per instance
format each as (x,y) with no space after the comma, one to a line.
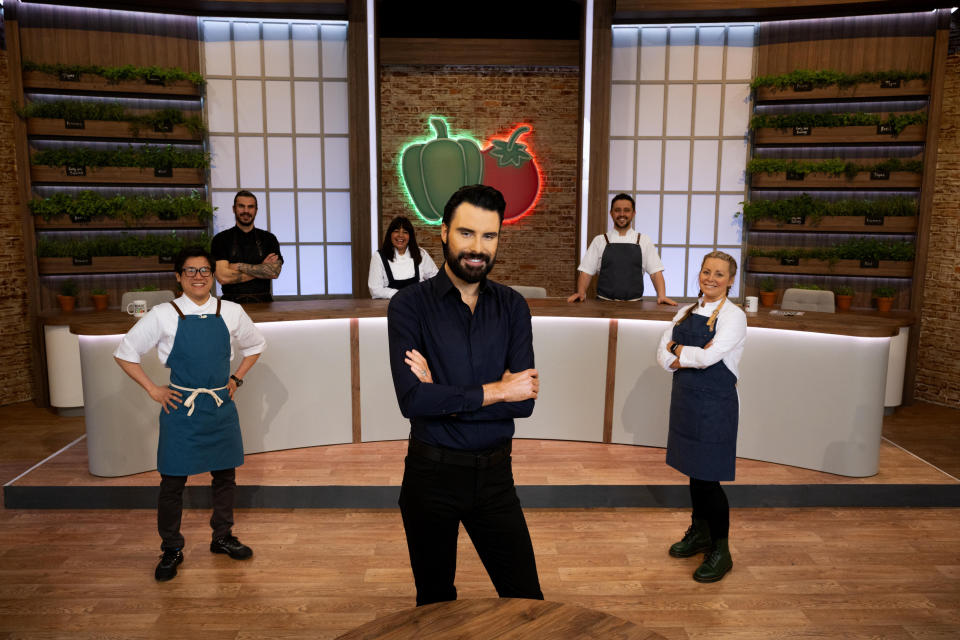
(479,195)
(245,194)
(192,252)
(623,196)
(387,249)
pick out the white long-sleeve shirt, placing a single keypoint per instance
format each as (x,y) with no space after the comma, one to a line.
(402,269)
(158,328)
(731,333)
(590,263)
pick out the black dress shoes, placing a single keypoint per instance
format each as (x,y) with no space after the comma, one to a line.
(167,569)
(232,547)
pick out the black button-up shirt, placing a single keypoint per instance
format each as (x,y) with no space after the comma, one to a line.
(464,351)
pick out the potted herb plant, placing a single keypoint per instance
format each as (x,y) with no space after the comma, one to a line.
(884,297)
(843,295)
(67,298)
(100,299)
(768,292)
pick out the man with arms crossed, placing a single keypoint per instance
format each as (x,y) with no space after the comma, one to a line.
(247,258)
(621,258)
(461,354)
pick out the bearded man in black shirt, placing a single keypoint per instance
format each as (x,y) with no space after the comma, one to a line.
(247,258)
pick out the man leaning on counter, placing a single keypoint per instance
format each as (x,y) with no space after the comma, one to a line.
(621,259)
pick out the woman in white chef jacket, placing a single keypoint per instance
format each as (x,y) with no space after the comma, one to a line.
(702,348)
(399,262)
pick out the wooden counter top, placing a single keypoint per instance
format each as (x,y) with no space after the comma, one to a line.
(860,323)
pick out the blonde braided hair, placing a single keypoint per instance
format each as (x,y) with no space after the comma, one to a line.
(720,255)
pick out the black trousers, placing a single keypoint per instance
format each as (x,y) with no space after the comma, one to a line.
(170,507)
(435,498)
(710,504)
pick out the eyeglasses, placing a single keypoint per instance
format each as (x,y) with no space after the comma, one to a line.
(192,271)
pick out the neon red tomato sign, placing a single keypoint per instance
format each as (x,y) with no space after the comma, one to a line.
(432,168)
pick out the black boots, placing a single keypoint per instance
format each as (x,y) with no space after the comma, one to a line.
(716,563)
(716,560)
(695,540)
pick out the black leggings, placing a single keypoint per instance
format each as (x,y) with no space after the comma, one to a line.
(710,504)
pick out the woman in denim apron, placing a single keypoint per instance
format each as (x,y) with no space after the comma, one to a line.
(703,349)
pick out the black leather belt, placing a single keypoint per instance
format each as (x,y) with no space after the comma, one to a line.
(480,460)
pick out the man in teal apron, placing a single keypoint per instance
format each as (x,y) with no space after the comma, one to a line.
(199,426)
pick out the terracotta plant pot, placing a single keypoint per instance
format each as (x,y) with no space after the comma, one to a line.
(100,301)
(67,303)
(884,305)
(768,298)
(843,302)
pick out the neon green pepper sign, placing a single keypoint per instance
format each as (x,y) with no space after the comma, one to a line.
(432,170)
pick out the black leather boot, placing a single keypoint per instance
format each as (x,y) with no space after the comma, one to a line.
(716,563)
(695,540)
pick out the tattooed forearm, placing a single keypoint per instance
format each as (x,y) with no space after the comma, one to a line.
(268,270)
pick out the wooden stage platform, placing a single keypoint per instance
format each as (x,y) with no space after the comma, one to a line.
(549,474)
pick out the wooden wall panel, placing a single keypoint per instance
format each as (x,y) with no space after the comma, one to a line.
(74,35)
(864,43)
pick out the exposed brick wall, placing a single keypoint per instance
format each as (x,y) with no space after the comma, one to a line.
(938,357)
(539,250)
(15,340)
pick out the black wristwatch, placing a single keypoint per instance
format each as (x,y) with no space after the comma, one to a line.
(673,348)
(237,380)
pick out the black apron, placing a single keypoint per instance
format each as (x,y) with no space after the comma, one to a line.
(704,412)
(392,282)
(621,271)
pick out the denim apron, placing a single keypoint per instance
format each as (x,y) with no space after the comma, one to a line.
(203,433)
(704,411)
(621,271)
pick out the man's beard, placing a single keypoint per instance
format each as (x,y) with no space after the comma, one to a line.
(241,222)
(469,275)
(625,225)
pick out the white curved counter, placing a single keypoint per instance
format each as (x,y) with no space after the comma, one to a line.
(811,395)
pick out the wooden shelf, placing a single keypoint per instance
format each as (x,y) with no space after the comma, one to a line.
(872,90)
(104,264)
(840,224)
(97,84)
(119,175)
(839,135)
(65,223)
(887,268)
(104,129)
(898,180)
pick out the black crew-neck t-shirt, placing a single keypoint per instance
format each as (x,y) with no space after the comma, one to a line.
(251,247)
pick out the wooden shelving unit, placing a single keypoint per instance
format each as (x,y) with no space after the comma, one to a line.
(788,144)
(113,273)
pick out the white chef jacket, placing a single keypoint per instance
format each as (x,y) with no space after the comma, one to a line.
(731,333)
(158,328)
(402,269)
(590,263)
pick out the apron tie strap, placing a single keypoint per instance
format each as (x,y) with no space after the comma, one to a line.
(195,392)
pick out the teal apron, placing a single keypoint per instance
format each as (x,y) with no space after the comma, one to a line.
(202,437)
(704,411)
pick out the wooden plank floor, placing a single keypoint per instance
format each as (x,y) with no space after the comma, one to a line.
(798,573)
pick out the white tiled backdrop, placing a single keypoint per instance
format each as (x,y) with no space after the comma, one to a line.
(679,108)
(276,105)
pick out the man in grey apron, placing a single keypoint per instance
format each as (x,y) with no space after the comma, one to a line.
(621,257)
